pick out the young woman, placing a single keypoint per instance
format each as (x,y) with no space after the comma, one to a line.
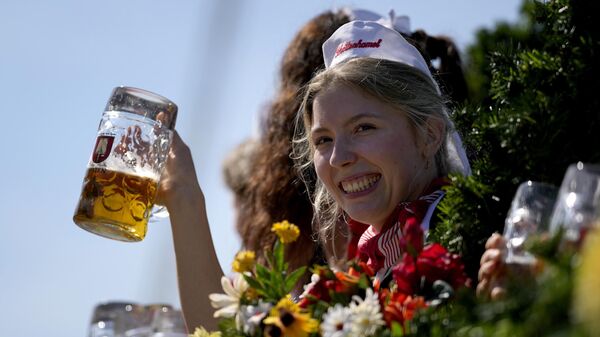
(375,129)
(273,190)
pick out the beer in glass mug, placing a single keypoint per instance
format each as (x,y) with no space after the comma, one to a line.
(129,154)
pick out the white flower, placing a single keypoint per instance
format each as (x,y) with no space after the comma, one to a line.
(229,303)
(314,279)
(252,315)
(366,314)
(337,322)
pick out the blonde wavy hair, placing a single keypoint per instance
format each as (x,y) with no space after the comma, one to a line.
(397,84)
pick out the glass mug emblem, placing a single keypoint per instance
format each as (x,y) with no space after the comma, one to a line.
(127,160)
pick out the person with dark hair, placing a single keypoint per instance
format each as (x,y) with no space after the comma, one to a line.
(275,192)
(237,169)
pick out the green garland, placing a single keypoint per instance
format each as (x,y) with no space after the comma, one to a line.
(537,110)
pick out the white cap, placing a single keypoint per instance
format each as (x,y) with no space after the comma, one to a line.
(362,14)
(370,39)
(398,23)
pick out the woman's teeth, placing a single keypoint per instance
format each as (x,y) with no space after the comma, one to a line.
(360,184)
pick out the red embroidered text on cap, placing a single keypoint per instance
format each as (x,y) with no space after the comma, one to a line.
(360,44)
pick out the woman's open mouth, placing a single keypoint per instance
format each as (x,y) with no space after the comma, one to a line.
(359,184)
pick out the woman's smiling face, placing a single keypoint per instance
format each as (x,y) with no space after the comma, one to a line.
(366,153)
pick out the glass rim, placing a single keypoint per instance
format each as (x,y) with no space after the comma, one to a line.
(146,94)
(144,103)
(583,166)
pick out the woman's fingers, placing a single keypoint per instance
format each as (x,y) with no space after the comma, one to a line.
(491,281)
(483,288)
(491,254)
(487,270)
(497,292)
(490,274)
(179,173)
(495,241)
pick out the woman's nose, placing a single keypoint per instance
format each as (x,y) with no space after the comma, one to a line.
(342,154)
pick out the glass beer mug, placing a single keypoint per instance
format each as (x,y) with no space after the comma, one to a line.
(131,149)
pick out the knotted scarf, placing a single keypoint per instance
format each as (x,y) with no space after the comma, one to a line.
(402,232)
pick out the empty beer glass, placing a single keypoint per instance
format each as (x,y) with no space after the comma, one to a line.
(578,206)
(127,161)
(529,214)
(112,319)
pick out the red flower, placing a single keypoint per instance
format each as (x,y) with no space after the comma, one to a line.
(406,276)
(412,237)
(361,267)
(436,263)
(333,282)
(318,291)
(432,264)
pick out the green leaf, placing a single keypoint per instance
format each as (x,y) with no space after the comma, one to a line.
(278,255)
(292,279)
(364,282)
(228,328)
(397,330)
(262,273)
(254,284)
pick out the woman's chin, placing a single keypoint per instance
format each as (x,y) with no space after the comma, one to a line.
(366,216)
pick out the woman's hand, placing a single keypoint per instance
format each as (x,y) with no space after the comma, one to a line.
(179,180)
(492,269)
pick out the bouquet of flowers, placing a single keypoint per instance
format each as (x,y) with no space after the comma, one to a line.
(257,299)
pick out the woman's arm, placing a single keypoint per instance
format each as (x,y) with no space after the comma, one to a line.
(198,269)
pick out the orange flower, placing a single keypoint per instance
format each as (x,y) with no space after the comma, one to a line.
(401,308)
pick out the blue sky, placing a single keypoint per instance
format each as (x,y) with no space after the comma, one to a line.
(59,61)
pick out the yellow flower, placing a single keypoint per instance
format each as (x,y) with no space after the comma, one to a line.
(286,231)
(201,332)
(288,304)
(587,284)
(244,261)
(292,322)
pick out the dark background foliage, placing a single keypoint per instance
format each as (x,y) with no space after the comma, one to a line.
(534,109)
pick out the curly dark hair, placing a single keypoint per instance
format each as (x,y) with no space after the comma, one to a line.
(274,191)
(449,73)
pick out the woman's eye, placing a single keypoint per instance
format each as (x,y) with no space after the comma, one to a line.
(322,140)
(364,127)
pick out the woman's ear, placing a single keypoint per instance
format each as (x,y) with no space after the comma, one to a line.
(434,135)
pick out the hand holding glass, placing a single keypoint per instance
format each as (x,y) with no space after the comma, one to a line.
(529,214)
(131,149)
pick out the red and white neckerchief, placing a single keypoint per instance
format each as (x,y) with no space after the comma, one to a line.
(382,250)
